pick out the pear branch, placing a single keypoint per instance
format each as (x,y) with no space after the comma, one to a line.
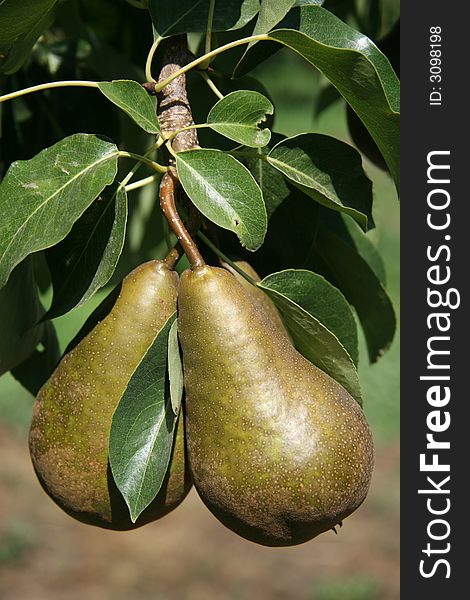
(202,59)
(177,125)
(174,111)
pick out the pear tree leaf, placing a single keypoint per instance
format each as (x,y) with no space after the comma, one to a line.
(21,49)
(185,16)
(237,116)
(322,300)
(85,260)
(360,242)
(143,428)
(353,64)
(33,372)
(270,13)
(361,286)
(271,182)
(327,170)
(225,192)
(41,198)
(134,101)
(314,341)
(308,2)
(20,310)
(21,23)
(175,368)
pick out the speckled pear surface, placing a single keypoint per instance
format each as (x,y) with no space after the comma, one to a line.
(73,411)
(261,297)
(278,450)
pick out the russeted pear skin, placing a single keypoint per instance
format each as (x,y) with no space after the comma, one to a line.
(278,450)
(72,415)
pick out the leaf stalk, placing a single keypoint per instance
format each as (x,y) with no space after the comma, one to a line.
(252,38)
(47,86)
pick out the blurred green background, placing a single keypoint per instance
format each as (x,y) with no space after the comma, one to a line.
(45,554)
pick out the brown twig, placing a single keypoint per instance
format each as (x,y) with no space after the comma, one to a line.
(193,225)
(167,203)
(173,110)
(174,113)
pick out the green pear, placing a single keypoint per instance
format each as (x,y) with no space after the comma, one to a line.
(72,415)
(261,297)
(278,450)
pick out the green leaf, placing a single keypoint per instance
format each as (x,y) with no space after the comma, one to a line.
(185,16)
(202,103)
(348,230)
(353,64)
(314,341)
(362,288)
(322,300)
(175,368)
(41,198)
(327,170)
(20,51)
(225,192)
(20,310)
(21,23)
(85,260)
(33,372)
(237,116)
(271,182)
(142,429)
(270,13)
(131,97)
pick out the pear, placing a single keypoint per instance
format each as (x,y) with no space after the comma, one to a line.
(72,415)
(261,297)
(278,450)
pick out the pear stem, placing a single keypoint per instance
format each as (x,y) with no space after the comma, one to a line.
(173,256)
(175,253)
(167,203)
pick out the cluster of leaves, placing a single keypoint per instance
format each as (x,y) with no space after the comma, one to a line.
(299,207)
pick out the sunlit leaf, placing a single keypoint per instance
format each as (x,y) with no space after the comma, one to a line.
(322,300)
(319,345)
(41,198)
(238,115)
(143,428)
(353,64)
(175,368)
(225,192)
(134,101)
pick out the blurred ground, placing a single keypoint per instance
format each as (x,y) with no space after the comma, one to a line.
(45,555)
